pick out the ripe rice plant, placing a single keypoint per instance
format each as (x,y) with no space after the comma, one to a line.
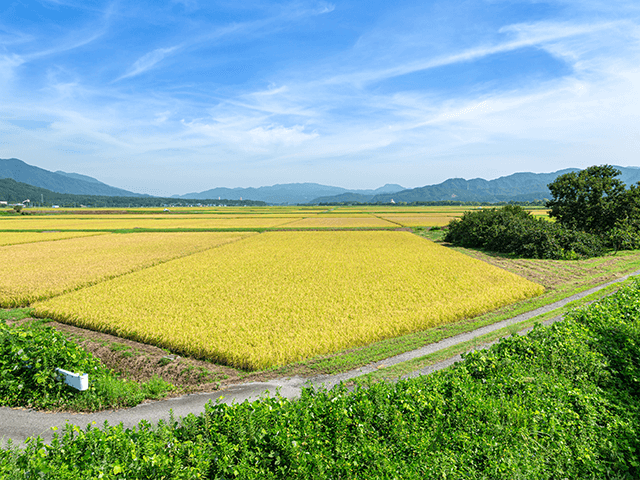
(342,221)
(33,271)
(139,221)
(14,238)
(420,220)
(281,297)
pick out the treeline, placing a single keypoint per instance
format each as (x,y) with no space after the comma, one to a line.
(560,402)
(17,192)
(593,212)
(515,231)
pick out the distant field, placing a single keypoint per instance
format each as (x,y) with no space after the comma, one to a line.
(116,222)
(40,270)
(14,238)
(367,221)
(238,218)
(419,220)
(279,297)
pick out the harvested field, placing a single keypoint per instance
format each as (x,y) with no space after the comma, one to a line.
(341,222)
(130,222)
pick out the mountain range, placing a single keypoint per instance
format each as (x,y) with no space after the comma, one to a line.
(59,182)
(516,187)
(291,193)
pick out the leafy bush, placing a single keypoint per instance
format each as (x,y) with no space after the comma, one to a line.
(560,402)
(29,356)
(513,230)
(28,359)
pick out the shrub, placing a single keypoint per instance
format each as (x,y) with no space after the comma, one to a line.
(29,356)
(514,231)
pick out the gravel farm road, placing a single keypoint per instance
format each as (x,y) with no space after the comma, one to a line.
(19,424)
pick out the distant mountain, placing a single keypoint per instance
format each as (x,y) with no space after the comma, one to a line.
(14,192)
(289,193)
(516,187)
(78,176)
(60,182)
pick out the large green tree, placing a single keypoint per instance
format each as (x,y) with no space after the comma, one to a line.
(592,200)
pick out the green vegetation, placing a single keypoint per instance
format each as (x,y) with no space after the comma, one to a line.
(29,355)
(592,208)
(560,402)
(513,230)
(594,201)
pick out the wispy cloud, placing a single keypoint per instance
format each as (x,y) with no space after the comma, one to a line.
(148,61)
(526,36)
(288,92)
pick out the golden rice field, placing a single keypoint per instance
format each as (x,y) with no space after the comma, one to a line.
(13,238)
(115,222)
(33,271)
(278,297)
(341,222)
(419,220)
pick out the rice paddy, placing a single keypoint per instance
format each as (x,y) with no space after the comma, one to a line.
(248,287)
(280,297)
(40,270)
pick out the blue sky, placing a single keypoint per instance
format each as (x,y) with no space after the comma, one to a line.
(182,96)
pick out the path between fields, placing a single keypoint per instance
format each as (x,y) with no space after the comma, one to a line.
(19,424)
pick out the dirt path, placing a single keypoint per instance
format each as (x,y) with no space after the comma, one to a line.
(19,424)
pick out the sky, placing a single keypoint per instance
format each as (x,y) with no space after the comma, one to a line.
(179,96)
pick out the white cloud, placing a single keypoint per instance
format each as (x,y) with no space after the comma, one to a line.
(8,65)
(280,134)
(148,61)
(527,35)
(323,8)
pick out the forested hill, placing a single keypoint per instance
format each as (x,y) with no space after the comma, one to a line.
(17,192)
(60,182)
(519,187)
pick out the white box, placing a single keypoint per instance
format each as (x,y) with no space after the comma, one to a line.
(75,380)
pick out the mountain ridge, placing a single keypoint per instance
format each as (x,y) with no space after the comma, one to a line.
(287,193)
(519,187)
(59,182)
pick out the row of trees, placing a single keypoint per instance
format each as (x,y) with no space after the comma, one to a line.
(592,208)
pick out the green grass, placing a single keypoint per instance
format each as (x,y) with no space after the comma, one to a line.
(14,314)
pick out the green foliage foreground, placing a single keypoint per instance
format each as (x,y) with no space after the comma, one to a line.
(29,356)
(561,402)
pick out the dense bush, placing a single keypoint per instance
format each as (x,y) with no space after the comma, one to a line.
(28,359)
(561,402)
(513,230)
(29,356)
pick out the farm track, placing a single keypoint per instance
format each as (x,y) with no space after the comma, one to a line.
(19,424)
